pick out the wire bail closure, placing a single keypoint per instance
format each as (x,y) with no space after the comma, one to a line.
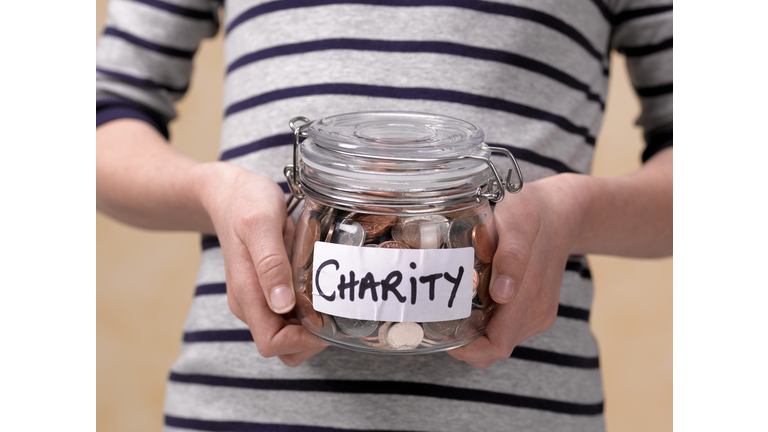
(494,190)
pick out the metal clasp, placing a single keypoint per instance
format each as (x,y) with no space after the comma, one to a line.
(496,187)
(291,171)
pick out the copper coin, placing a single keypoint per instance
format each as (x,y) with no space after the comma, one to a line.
(460,234)
(348,233)
(441,329)
(310,319)
(483,288)
(355,327)
(326,222)
(475,281)
(484,244)
(405,336)
(468,327)
(307,245)
(375,225)
(393,245)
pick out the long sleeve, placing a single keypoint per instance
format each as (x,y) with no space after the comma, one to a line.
(144,57)
(642,31)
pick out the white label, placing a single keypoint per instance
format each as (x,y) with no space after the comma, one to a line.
(400,285)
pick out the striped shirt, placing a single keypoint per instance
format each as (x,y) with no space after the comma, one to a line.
(533,74)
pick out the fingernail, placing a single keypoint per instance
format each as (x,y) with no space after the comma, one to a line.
(502,289)
(282,299)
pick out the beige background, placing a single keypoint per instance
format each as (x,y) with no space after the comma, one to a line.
(145,282)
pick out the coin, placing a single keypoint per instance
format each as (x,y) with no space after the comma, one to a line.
(405,336)
(441,329)
(355,327)
(422,234)
(483,288)
(310,319)
(375,225)
(475,281)
(393,245)
(468,326)
(383,330)
(348,233)
(307,245)
(484,244)
(460,234)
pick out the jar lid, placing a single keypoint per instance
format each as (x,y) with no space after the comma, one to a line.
(395,161)
(397,134)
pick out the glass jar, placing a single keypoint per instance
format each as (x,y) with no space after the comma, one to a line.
(393,248)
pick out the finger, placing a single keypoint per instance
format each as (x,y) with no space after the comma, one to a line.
(497,341)
(293,360)
(266,246)
(269,330)
(516,238)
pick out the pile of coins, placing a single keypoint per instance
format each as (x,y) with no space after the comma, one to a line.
(374,228)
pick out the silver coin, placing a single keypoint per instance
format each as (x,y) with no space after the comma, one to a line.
(460,233)
(422,232)
(383,331)
(468,327)
(348,233)
(405,336)
(441,329)
(355,327)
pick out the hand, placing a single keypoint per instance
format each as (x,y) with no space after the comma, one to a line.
(537,230)
(249,214)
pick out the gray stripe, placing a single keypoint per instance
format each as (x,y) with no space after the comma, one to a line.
(211,312)
(648,30)
(363,411)
(651,70)
(657,111)
(418,24)
(415,70)
(243,361)
(566,336)
(211,267)
(159,26)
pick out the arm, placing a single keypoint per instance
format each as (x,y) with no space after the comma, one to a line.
(143,181)
(562,215)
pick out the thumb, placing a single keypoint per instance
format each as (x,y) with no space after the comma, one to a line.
(511,259)
(273,268)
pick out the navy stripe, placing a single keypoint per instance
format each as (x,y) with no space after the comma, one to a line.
(625,16)
(173,52)
(519,12)
(214,288)
(393,388)
(573,312)
(178,10)
(218,336)
(654,91)
(210,242)
(646,50)
(413,93)
(541,356)
(508,58)
(264,143)
(141,81)
(656,140)
(536,159)
(238,426)
(579,268)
